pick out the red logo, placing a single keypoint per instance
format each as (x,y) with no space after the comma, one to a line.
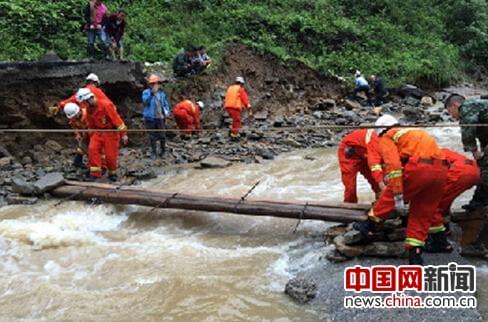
(383,279)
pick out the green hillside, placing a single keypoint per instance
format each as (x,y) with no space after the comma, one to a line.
(423,41)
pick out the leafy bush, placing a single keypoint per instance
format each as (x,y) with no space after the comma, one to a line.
(415,41)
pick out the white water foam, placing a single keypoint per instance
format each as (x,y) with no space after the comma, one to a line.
(70,228)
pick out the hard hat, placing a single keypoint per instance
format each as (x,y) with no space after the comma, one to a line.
(201,104)
(93,78)
(71,110)
(358,73)
(385,121)
(83,94)
(240,79)
(153,79)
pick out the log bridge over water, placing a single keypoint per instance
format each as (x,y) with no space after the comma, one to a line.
(341,212)
(474,225)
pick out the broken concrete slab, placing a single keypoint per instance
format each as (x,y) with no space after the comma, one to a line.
(213,162)
(48,182)
(22,187)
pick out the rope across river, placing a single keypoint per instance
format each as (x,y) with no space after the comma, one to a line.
(262,129)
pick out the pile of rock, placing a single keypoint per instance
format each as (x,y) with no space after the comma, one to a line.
(347,243)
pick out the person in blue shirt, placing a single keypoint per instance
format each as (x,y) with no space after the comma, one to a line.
(361,86)
(156,110)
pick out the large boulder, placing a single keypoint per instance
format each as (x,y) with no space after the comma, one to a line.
(301,290)
(213,162)
(48,182)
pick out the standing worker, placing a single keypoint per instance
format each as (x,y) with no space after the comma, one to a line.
(417,172)
(102,115)
(156,110)
(462,175)
(473,111)
(92,83)
(236,99)
(359,153)
(187,116)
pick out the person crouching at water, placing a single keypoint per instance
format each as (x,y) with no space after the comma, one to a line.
(156,110)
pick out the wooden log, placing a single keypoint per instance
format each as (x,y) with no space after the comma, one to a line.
(159,199)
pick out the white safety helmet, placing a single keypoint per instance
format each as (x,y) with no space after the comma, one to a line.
(240,80)
(385,122)
(71,110)
(358,73)
(83,94)
(201,104)
(93,78)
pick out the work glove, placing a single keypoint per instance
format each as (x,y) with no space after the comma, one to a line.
(125,140)
(52,110)
(400,207)
(478,155)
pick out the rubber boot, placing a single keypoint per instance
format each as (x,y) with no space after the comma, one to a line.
(162,146)
(91,52)
(415,256)
(78,161)
(154,149)
(437,243)
(112,178)
(366,228)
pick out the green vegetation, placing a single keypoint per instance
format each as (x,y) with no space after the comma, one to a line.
(427,41)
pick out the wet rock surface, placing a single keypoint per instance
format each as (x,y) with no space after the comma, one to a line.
(301,290)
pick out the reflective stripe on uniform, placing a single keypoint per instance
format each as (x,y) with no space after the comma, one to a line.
(372,216)
(395,174)
(436,229)
(400,133)
(376,167)
(414,242)
(95,169)
(369,135)
(122,127)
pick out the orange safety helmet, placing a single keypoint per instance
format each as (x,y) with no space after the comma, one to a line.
(153,79)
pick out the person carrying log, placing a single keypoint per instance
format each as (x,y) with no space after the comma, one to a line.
(187,116)
(417,171)
(102,115)
(359,153)
(462,175)
(236,99)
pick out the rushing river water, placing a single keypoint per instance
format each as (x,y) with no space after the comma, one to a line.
(106,263)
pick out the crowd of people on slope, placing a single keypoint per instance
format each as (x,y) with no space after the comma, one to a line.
(90,108)
(108,28)
(191,61)
(407,166)
(375,94)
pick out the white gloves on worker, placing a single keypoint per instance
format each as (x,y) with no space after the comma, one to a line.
(400,207)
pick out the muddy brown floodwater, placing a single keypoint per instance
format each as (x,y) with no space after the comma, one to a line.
(101,262)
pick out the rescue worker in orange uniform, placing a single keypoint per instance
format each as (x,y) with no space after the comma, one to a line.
(102,114)
(92,83)
(462,175)
(417,171)
(236,99)
(77,120)
(187,116)
(359,153)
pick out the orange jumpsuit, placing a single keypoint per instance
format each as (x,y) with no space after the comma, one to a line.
(104,116)
(99,94)
(359,152)
(462,175)
(416,167)
(236,99)
(187,116)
